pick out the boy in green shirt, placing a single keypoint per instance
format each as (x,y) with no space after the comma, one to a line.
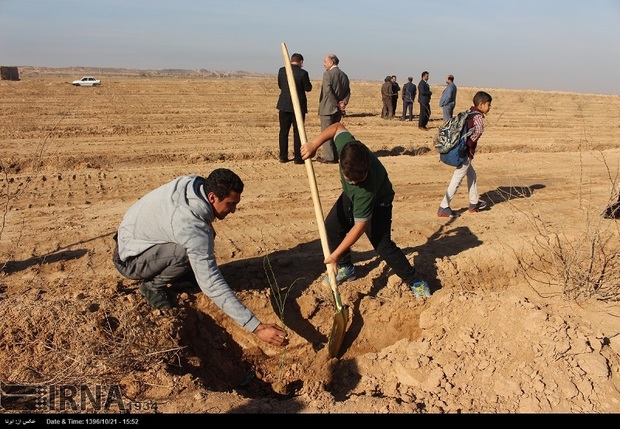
(364,207)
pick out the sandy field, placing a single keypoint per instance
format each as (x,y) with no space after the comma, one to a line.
(524,315)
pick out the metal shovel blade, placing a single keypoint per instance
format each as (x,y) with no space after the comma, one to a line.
(340,318)
(336,337)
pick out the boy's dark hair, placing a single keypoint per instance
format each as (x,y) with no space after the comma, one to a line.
(355,160)
(482,97)
(222,181)
(296,57)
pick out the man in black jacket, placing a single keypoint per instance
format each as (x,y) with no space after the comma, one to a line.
(285,106)
(395,91)
(424,98)
(409,91)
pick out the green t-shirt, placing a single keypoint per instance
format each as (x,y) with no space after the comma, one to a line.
(375,190)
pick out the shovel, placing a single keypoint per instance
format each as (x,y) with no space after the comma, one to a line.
(340,318)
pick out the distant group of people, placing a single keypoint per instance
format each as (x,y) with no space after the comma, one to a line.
(389,97)
(334,97)
(167,237)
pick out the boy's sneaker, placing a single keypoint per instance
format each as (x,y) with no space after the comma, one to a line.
(474,208)
(156,298)
(420,289)
(446,212)
(345,272)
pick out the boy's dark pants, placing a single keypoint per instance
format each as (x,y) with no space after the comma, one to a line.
(157,266)
(339,221)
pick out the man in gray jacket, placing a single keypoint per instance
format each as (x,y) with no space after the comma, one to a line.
(448,98)
(334,97)
(168,234)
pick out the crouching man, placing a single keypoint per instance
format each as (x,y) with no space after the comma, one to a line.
(168,235)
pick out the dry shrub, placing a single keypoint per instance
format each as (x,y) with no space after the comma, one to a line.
(583,267)
(53,341)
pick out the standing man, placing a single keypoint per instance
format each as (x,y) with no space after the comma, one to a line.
(286,113)
(409,90)
(167,236)
(395,91)
(386,98)
(334,97)
(424,98)
(448,98)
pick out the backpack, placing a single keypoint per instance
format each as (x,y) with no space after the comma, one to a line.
(451,139)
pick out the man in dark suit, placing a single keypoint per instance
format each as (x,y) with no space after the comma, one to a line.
(395,91)
(286,114)
(335,94)
(409,91)
(424,98)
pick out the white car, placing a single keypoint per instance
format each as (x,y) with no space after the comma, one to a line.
(87,81)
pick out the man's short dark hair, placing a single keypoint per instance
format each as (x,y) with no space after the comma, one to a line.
(222,181)
(355,160)
(296,57)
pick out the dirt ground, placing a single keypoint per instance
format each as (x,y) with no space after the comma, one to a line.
(524,315)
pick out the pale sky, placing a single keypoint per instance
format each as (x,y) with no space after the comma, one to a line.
(550,45)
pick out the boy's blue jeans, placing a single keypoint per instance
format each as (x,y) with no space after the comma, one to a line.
(339,222)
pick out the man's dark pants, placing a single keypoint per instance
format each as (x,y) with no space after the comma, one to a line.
(287,119)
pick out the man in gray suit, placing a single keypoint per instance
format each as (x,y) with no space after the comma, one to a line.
(335,94)
(448,98)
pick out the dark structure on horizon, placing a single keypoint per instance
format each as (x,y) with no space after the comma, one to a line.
(9,73)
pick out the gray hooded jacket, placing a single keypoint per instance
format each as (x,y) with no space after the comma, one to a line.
(179,212)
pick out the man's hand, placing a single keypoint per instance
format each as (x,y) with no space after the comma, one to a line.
(272,334)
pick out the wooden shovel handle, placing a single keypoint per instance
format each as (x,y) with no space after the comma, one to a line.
(318,211)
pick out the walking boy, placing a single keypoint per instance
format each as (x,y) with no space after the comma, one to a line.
(364,207)
(482,105)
